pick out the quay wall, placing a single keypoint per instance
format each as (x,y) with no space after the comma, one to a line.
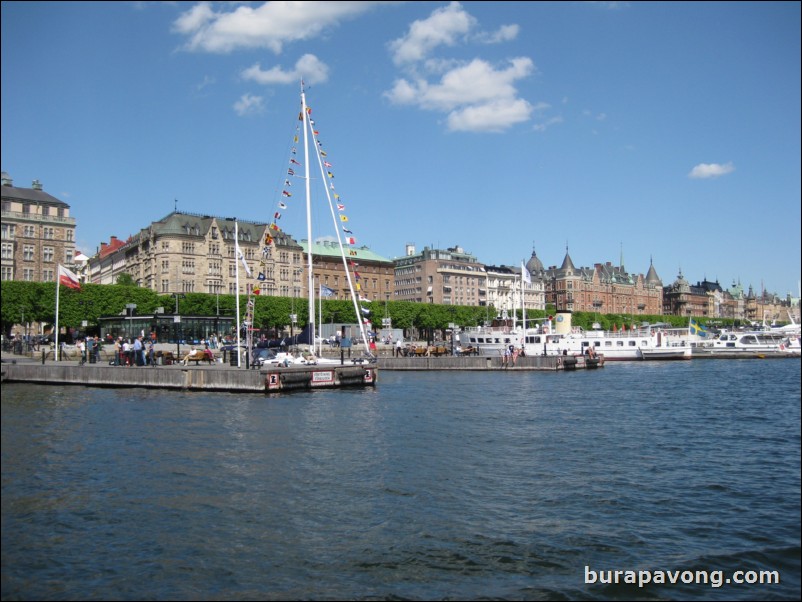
(200,379)
(449,362)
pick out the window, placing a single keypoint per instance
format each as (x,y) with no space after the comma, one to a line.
(8,250)
(27,252)
(48,254)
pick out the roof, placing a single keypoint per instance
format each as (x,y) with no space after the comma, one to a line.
(330,248)
(32,195)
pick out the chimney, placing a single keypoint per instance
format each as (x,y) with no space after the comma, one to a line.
(7,181)
(36,185)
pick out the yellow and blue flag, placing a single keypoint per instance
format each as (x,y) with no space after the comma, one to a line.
(697,329)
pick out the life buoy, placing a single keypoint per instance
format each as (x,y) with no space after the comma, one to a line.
(559,361)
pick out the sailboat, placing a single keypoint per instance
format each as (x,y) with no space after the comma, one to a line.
(318,156)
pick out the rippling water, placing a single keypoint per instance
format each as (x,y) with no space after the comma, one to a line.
(433,485)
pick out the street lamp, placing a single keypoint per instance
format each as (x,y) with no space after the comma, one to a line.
(177,320)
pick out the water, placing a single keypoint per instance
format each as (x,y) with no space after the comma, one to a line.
(433,485)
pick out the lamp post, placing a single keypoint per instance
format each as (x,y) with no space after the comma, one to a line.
(177,320)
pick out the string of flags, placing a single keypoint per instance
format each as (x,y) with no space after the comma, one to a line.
(286,201)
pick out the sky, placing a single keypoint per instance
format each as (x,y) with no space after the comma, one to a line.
(648,132)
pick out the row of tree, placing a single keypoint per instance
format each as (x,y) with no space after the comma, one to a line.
(27,302)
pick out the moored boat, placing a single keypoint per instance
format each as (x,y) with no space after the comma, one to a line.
(748,343)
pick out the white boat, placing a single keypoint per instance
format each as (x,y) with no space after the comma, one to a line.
(667,353)
(654,341)
(494,337)
(658,341)
(747,343)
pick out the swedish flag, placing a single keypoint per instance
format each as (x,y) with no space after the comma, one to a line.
(697,329)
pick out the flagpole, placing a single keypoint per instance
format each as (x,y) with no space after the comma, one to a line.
(58,278)
(320,315)
(307,173)
(236,262)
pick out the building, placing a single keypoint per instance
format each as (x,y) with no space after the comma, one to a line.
(185,252)
(38,233)
(441,276)
(604,289)
(682,299)
(505,285)
(372,274)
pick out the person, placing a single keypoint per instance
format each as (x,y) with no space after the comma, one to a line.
(118,351)
(514,355)
(398,345)
(80,345)
(372,346)
(138,355)
(505,360)
(126,353)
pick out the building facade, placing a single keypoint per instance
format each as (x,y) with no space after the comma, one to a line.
(184,252)
(441,276)
(506,286)
(372,275)
(604,289)
(38,233)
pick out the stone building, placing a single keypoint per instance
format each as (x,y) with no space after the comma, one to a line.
(441,276)
(38,233)
(184,252)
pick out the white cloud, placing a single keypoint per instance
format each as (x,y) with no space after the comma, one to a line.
(308,67)
(248,104)
(471,93)
(505,33)
(494,116)
(269,25)
(710,170)
(443,27)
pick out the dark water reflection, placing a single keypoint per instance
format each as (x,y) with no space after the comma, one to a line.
(430,486)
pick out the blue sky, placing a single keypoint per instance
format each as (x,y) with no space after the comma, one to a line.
(661,130)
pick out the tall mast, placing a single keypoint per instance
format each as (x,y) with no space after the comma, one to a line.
(310,275)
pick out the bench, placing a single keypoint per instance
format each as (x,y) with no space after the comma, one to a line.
(198,357)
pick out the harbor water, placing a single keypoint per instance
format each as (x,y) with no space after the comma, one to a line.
(430,486)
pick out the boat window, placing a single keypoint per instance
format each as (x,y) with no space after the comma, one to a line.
(608,343)
(633,343)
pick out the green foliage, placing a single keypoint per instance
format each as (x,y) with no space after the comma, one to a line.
(125,279)
(36,302)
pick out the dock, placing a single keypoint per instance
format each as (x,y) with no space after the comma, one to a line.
(218,376)
(192,378)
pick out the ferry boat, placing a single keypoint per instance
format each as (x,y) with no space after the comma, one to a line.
(653,342)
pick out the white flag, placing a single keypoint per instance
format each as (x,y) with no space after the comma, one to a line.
(525,275)
(242,258)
